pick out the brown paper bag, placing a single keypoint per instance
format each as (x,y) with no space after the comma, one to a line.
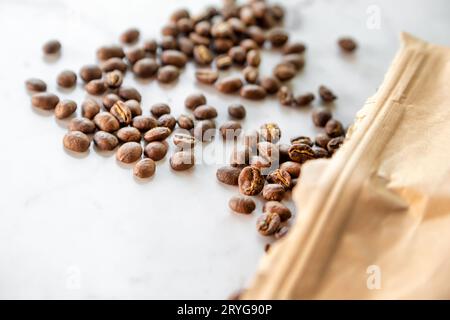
(373,222)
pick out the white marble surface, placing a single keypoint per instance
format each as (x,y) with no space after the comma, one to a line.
(83,227)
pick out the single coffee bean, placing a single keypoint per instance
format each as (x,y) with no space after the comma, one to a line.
(293,168)
(121,112)
(204,130)
(179,14)
(129,93)
(347,44)
(250,74)
(270,84)
(281,232)
(156,150)
(203,55)
(170,29)
(90,72)
(145,68)
(249,44)
(206,76)
(237,111)
(270,132)
(223,62)
(283,150)
(199,40)
(114,64)
(335,144)
(82,124)
(183,141)
(295,59)
(194,100)
(129,134)
(135,54)
(334,128)
(130,36)
(135,107)
(150,46)
(174,57)
(238,55)
(321,116)
(285,96)
(250,181)
(182,160)
(65,108)
(301,153)
(304,99)
(273,192)
(253,92)
(281,177)
(157,134)
(145,168)
(256,34)
(277,37)
(284,71)
(228,175)
(222,29)
(221,45)
(185,122)
(326,94)
(302,140)
(51,47)
(105,121)
(242,204)
(237,25)
(168,74)
(144,123)
(109,100)
(320,152)
(247,16)
(268,223)
(96,87)
(240,157)
(186,46)
(295,47)
(203,28)
(76,141)
(67,79)
(168,121)
(253,58)
(230,130)
(89,108)
(185,25)
(114,79)
(110,51)
(277,207)
(168,43)
(229,84)
(129,152)
(205,112)
(35,85)
(44,100)
(159,109)
(105,141)
(322,140)
(277,12)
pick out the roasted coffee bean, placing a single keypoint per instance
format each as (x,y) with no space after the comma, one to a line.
(283,150)
(199,40)
(89,108)
(111,51)
(90,72)
(295,47)
(304,99)
(242,204)
(270,132)
(109,100)
(230,130)
(157,134)
(145,68)
(121,112)
(253,92)
(158,109)
(321,116)
(35,85)
(302,140)
(170,29)
(105,141)
(246,15)
(250,181)
(295,59)
(273,192)
(204,130)
(95,87)
(156,150)
(277,37)
(335,144)
(334,128)
(228,175)
(194,100)
(281,177)
(203,28)
(168,43)
(277,207)
(293,168)
(129,134)
(347,44)
(186,46)
(223,62)
(185,25)
(238,27)
(277,12)
(284,71)
(285,96)
(205,112)
(135,54)
(240,157)
(268,223)
(222,45)
(267,150)
(76,141)
(251,74)
(322,140)
(105,121)
(65,108)
(130,36)
(168,74)
(301,153)
(179,14)
(114,79)
(206,76)
(253,58)
(249,44)
(44,100)
(114,64)
(326,94)
(183,141)
(129,152)
(320,152)
(185,122)
(129,93)
(270,84)
(182,160)
(82,124)
(51,47)
(229,84)
(203,55)
(168,121)
(174,58)
(150,46)
(238,55)
(67,79)
(135,107)
(145,168)
(222,29)
(256,34)
(144,123)
(237,111)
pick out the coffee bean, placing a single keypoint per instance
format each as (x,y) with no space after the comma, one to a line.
(185,25)
(135,107)
(105,141)
(199,40)
(203,28)
(186,46)
(326,94)
(168,43)
(228,175)
(249,44)
(321,116)
(270,132)
(65,108)
(273,192)
(150,46)
(170,29)
(230,130)
(271,84)
(284,71)
(302,140)
(156,150)
(129,152)
(114,79)
(67,79)
(278,208)
(89,108)
(237,111)
(242,204)
(238,27)
(204,130)
(109,100)
(223,62)
(304,99)
(253,92)
(145,68)
(285,96)
(76,141)
(206,76)
(347,44)
(158,109)
(194,100)
(82,124)
(144,123)
(250,181)
(295,59)
(283,150)
(291,167)
(145,168)
(121,112)
(135,54)
(205,112)
(222,45)
(268,223)
(253,58)
(114,64)
(51,47)
(174,58)
(129,134)
(35,85)
(90,72)
(250,74)
(229,84)
(185,122)
(238,55)
(322,140)
(240,157)
(301,153)
(296,47)
(130,36)
(110,51)
(129,93)
(168,74)
(247,16)
(335,144)
(105,121)
(277,37)
(281,177)
(256,34)
(182,160)
(157,134)
(168,121)
(179,14)
(334,128)
(320,152)
(203,55)
(44,100)
(183,141)
(95,87)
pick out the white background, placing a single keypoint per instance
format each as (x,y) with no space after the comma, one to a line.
(83,227)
